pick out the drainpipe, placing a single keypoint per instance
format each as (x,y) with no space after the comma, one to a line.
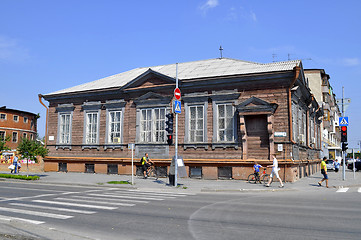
(46,122)
(297,73)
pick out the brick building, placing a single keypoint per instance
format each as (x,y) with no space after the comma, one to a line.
(233,113)
(17,124)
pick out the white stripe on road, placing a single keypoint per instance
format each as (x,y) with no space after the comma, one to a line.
(50,215)
(7,218)
(165,195)
(342,190)
(53,208)
(75,204)
(185,194)
(89,201)
(108,199)
(133,197)
(359,190)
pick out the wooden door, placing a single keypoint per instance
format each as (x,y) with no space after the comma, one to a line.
(257,137)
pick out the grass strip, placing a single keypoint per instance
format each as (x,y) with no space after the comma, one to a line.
(118,182)
(22,177)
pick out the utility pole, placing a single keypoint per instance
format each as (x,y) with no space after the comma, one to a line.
(343,152)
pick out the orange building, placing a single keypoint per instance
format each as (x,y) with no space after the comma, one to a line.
(17,124)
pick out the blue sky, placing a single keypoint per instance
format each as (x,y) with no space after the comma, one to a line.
(47,46)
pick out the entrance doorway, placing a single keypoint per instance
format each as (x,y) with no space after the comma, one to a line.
(257,137)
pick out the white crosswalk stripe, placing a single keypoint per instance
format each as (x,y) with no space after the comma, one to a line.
(342,190)
(59,202)
(53,208)
(359,190)
(76,204)
(89,201)
(34,213)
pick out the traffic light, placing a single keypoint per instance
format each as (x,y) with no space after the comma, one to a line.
(169,128)
(343,134)
(169,139)
(344,146)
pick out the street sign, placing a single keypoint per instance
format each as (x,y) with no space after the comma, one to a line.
(343,121)
(177,106)
(177,94)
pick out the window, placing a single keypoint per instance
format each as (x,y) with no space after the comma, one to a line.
(114,128)
(225,122)
(26,120)
(3,116)
(15,137)
(64,128)
(25,135)
(16,118)
(2,135)
(91,134)
(152,125)
(196,124)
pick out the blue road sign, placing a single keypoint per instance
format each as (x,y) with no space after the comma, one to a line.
(343,121)
(177,106)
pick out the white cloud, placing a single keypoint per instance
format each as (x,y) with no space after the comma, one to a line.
(351,62)
(208,5)
(11,51)
(235,14)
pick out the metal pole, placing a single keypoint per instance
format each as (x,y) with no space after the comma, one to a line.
(176,135)
(132,164)
(353,160)
(343,152)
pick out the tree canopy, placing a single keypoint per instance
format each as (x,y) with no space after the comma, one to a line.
(31,149)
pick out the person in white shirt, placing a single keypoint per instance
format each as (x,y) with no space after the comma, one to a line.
(274,172)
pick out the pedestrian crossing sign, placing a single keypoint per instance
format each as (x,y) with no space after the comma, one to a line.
(343,121)
(177,107)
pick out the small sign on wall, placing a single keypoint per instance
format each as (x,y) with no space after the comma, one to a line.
(51,138)
(280,134)
(280,147)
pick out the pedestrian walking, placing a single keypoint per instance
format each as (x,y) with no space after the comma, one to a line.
(15,162)
(337,165)
(274,172)
(324,172)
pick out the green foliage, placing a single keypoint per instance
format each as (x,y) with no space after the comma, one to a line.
(30,149)
(23,177)
(3,143)
(118,182)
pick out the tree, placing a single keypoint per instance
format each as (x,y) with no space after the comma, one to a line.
(3,144)
(30,149)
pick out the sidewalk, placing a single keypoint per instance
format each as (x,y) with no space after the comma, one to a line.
(191,185)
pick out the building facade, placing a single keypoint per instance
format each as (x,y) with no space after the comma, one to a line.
(323,92)
(233,114)
(16,124)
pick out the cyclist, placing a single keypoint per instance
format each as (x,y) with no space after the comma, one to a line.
(256,168)
(146,163)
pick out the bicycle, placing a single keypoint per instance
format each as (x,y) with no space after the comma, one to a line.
(152,172)
(254,178)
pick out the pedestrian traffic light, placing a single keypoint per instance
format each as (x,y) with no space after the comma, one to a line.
(169,128)
(344,146)
(169,123)
(170,139)
(343,134)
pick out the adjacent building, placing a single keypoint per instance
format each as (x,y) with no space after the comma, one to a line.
(16,124)
(233,113)
(322,90)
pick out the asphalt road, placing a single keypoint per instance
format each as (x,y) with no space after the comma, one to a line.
(44,211)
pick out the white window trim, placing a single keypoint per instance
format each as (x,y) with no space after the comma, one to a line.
(3,114)
(204,105)
(108,130)
(216,122)
(59,138)
(97,112)
(17,120)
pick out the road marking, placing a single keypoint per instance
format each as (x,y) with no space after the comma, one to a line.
(134,197)
(342,190)
(42,214)
(107,199)
(76,205)
(359,190)
(162,192)
(7,218)
(33,189)
(89,201)
(166,195)
(53,208)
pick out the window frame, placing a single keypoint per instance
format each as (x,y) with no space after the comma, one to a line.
(151,125)
(216,122)
(86,127)
(188,118)
(17,118)
(3,116)
(26,119)
(2,133)
(16,138)
(64,109)
(60,138)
